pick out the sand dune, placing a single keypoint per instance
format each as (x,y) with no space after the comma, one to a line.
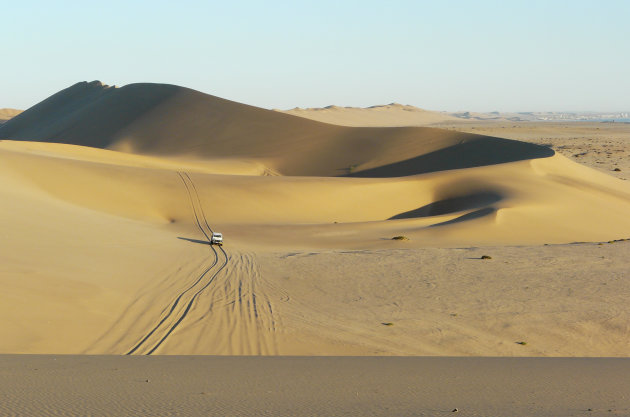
(6,114)
(104,234)
(600,145)
(168,120)
(390,115)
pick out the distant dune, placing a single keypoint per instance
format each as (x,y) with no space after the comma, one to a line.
(394,114)
(390,115)
(109,196)
(6,114)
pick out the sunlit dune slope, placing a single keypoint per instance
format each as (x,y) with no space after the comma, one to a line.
(6,114)
(169,120)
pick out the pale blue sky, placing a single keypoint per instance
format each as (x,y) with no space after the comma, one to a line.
(441,55)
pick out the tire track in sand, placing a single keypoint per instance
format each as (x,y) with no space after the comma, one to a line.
(238,317)
(198,212)
(232,309)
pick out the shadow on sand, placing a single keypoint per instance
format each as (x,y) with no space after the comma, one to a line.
(203,242)
(474,153)
(471,201)
(469,216)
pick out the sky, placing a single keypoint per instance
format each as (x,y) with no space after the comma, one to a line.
(440,55)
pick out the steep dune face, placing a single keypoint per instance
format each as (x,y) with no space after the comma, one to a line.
(88,114)
(168,120)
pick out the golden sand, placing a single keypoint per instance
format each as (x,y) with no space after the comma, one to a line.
(104,235)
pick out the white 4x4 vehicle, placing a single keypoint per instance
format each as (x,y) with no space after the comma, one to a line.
(216,239)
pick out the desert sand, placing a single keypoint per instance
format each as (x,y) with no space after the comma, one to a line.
(507,248)
(48,385)
(104,235)
(6,114)
(387,115)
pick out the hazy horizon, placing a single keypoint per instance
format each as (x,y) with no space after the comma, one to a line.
(581,112)
(517,57)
